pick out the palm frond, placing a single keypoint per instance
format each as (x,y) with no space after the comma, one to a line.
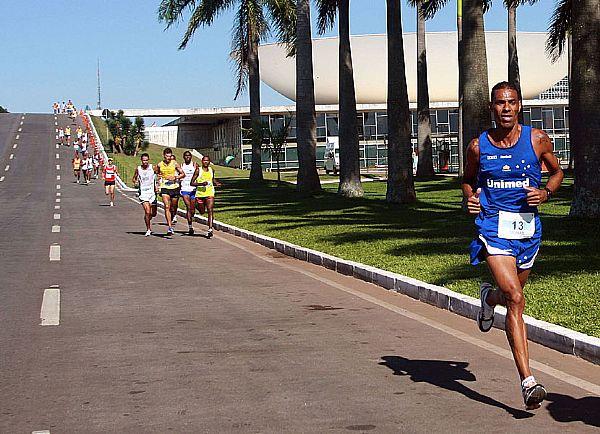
(558,29)
(326,13)
(171,11)
(429,7)
(282,14)
(203,15)
(516,3)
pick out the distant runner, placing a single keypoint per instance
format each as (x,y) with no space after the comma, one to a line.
(61,136)
(204,178)
(146,179)
(502,184)
(86,165)
(169,172)
(188,191)
(68,135)
(96,165)
(109,174)
(76,162)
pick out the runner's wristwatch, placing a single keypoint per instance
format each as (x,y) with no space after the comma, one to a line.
(548,192)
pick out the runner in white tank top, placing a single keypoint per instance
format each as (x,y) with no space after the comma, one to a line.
(188,192)
(146,179)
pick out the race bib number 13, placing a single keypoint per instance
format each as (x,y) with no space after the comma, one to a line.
(515,225)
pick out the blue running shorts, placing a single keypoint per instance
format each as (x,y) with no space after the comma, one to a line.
(190,194)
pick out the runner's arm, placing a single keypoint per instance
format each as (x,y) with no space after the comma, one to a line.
(469,181)
(180,173)
(135,177)
(216,183)
(542,142)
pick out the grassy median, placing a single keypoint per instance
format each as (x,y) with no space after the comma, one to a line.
(427,240)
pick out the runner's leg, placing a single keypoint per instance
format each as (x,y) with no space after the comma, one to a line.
(210,204)
(510,283)
(167,203)
(147,214)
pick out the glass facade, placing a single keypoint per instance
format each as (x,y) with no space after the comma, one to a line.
(373,130)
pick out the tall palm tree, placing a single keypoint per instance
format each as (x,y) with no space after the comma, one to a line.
(400,182)
(473,72)
(581,18)
(306,120)
(250,27)
(350,185)
(425,162)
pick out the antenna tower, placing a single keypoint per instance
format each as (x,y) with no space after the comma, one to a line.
(99,100)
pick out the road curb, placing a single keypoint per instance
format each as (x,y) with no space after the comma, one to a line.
(550,335)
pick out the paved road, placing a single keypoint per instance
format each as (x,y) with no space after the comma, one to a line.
(186,334)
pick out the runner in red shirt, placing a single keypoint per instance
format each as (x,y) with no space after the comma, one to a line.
(109,174)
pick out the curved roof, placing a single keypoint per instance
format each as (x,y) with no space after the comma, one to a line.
(369,55)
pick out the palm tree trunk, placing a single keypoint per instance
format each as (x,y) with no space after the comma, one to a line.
(350,185)
(306,119)
(584,108)
(513,57)
(400,183)
(425,162)
(256,174)
(474,74)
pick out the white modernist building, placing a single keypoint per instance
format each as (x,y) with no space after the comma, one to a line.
(224,132)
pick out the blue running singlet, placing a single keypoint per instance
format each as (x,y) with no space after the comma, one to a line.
(506,224)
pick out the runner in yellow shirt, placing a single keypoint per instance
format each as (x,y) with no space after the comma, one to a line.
(204,178)
(169,173)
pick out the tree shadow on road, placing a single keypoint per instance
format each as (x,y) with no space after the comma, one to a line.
(446,374)
(565,408)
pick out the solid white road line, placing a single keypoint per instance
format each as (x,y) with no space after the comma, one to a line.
(55,228)
(17,137)
(7,167)
(50,312)
(58,167)
(58,177)
(15,146)
(57,200)
(55,252)
(56,206)
(58,186)
(56,216)
(41,432)
(11,156)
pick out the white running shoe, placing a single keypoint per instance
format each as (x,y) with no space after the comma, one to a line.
(485,318)
(174,219)
(533,393)
(148,233)
(209,233)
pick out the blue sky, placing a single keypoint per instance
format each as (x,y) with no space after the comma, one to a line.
(49,50)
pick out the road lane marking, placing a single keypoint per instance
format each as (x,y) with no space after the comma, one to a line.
(58,193)
(11,156)
(57,156)
(56,131)
(50,312)
(7,167)
(17,137)
(58,177)
(41,432)
(57,200)
(55,252)
(55,228)
(56,216)
(58,186)
(57,146)
(58,167)
(1,178)
(56,206)
(15,146)
(20,129)
(21,123)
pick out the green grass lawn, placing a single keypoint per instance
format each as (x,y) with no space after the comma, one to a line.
(426,241)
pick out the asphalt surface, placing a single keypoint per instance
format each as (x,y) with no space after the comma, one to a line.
(186,334)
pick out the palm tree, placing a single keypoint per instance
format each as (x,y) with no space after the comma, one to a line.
(581,18)
(306,120)
(425,162)
(400,182)
(350,185)
(251,26)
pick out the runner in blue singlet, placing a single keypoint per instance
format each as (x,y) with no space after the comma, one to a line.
(503,185)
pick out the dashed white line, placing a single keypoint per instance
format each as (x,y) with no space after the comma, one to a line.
(58,194)
(56,206)
(57,156)
(58,167)
(58,177)
(55,252)
(57,146)
(7,167)
(58,186)
(56,131)
(1,178)
(40,432)
(21,123)
(55,228)
(17,137)
(11,156)
(15,146)
(20,129)
(56,216)
(50,312)
(57,200)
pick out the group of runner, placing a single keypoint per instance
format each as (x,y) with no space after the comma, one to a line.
(171,180)
(67,108)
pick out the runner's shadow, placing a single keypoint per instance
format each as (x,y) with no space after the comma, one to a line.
(565,408)
(104,204)
(143,233)
(447,375)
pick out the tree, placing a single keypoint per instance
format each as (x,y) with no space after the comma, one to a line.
(581,18)
(425,162)
(250,27)
(277,140)
(400,183)
(350,184)
(306,120)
